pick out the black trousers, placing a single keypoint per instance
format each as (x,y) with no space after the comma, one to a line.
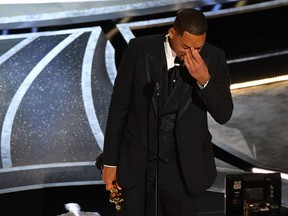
(173,198)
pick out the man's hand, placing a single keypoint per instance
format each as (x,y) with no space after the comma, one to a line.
(109,175)
(196,66)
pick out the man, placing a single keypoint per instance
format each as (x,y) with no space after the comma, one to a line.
(155,131)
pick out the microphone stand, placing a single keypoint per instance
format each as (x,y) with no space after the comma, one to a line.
(157,150)
(150,90)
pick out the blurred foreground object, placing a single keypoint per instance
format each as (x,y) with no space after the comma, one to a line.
(74,210)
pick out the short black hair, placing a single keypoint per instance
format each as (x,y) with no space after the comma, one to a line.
(191,20)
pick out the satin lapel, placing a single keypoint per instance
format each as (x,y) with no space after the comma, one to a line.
(186,98)
(153,67)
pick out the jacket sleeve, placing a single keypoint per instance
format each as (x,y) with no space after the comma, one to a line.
(216,95)
(119,107)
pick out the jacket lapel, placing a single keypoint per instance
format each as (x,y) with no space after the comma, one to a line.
(186,99)
(154,65)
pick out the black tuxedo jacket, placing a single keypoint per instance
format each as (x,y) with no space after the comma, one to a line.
(132,118)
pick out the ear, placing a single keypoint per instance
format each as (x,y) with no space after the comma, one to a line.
(171,33)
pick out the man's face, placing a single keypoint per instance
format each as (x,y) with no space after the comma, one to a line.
(180,44)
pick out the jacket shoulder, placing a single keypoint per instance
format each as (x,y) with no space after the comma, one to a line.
(147,41)
(212,48)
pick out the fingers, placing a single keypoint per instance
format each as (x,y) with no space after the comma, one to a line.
(118,186)
(109,186)
(191,59)
(109,177)
(194,55)
(188,59)
(196,65)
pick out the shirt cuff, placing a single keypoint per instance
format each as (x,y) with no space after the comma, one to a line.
(203,86)
(109,166)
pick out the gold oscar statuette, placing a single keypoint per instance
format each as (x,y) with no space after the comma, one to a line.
(116,196)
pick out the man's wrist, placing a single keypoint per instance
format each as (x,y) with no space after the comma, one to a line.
(201,86)
(204,81)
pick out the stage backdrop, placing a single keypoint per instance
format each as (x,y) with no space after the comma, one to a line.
(54,94)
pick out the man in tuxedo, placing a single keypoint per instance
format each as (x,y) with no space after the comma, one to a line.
(157,123)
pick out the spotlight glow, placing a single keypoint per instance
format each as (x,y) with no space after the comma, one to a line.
(259,170)
(259,82)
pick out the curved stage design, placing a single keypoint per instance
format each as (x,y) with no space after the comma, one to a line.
(56,85)
(55,90)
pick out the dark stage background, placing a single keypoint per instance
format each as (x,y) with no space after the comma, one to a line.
(57,68)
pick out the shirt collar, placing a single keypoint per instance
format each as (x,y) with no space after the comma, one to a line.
(170,54)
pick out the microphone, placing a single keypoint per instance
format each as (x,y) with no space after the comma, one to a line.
(157,84)
(149,90)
